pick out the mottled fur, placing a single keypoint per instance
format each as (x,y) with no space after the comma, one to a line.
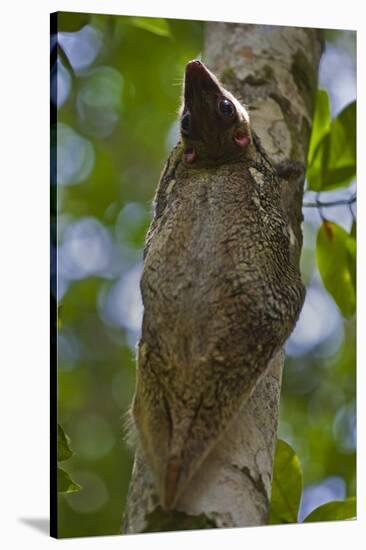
(221,294)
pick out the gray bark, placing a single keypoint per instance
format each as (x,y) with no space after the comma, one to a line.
(274,71)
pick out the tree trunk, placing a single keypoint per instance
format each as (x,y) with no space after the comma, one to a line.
(274,71)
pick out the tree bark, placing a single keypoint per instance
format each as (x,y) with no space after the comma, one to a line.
(274,71)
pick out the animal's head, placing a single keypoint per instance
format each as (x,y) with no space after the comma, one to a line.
(214,125)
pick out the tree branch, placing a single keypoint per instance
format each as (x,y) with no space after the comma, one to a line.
(321,204)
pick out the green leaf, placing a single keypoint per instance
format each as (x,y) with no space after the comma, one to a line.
(321,122)
(65,484)
(152,24)
(286,485)
(316,172)
(354,229)
(63,450)
(343,139)
(338,177)
(336,258)
(332,160)
(351,254)
(334,511)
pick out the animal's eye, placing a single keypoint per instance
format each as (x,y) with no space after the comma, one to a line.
(226,108)
(185,122)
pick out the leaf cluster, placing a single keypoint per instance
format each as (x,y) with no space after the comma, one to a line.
(332,165)
(287,486)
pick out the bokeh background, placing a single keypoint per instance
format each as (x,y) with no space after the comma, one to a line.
(116,85)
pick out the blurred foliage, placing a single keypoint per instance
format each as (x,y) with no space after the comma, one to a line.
(154,25)
(116,82)
(286,492)
(116,124)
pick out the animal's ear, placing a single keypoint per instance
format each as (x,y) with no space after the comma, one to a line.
(241,138)
(289,169)
(189,155)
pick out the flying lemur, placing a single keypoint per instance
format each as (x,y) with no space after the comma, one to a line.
(221,287)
